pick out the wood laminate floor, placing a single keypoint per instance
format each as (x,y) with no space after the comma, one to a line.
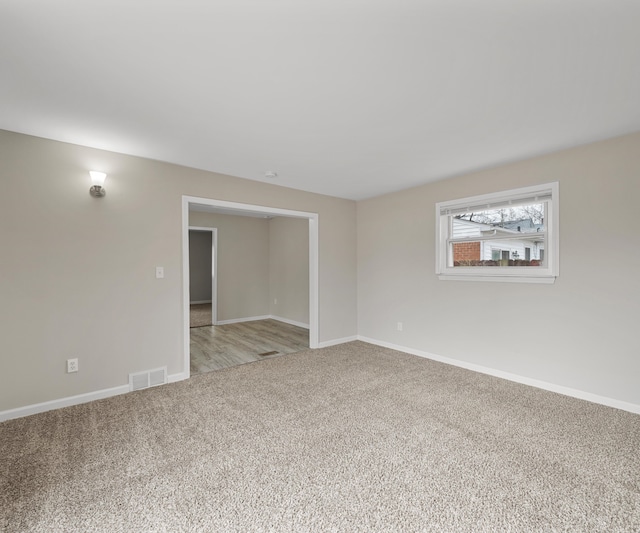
(217,347)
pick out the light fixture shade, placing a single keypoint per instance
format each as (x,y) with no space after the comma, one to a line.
(97,184)
(97,178)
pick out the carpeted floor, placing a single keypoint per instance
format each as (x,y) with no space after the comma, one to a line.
(348,438)
(199,315)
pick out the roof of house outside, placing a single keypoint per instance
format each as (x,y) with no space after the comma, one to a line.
(524,225)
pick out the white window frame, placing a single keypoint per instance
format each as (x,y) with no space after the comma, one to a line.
(546,273)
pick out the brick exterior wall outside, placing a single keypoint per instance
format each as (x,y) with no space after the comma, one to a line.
(466,251)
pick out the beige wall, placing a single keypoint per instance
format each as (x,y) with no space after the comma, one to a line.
(289,268)
(243,263)
(580,332)
(77,275)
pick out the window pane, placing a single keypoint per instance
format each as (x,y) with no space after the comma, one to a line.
(526,250)
(521,219)
(521,228)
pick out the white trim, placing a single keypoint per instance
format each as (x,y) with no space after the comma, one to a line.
(186,318)
(200,302)
(500,237)
(214,275)
(333,342)
(314,299)
(78,399)
(260,209)
(246,319)
(173,378)
(273,211)
(289,321)
(512,279)
(560,389)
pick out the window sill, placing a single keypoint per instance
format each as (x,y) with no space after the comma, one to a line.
(508,279)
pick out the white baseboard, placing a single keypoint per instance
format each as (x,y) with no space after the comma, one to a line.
(178,377)
(567,391)
(262,317)
(36,408)
(236,320)
(289,321)
(333,342)
(62,402)
(200,302)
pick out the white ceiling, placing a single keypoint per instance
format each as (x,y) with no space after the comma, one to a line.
(351,98)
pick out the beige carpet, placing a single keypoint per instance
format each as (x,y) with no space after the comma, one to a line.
(200,315)
(349,438)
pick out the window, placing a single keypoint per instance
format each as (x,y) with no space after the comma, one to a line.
(506,236)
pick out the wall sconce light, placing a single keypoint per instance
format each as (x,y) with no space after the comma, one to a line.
(97,184)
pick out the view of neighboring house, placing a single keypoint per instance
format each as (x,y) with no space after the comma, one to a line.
(523,243)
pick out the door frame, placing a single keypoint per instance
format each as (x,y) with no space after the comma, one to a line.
(239,208)
(214,270)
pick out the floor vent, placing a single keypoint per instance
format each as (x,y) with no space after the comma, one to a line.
(268,353)
(149,378)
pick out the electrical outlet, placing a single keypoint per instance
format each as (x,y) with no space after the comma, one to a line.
(72,365)
(399,326)
(275,301)
(159,272)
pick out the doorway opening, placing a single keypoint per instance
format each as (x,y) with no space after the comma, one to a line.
(203,278)
(221,207)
